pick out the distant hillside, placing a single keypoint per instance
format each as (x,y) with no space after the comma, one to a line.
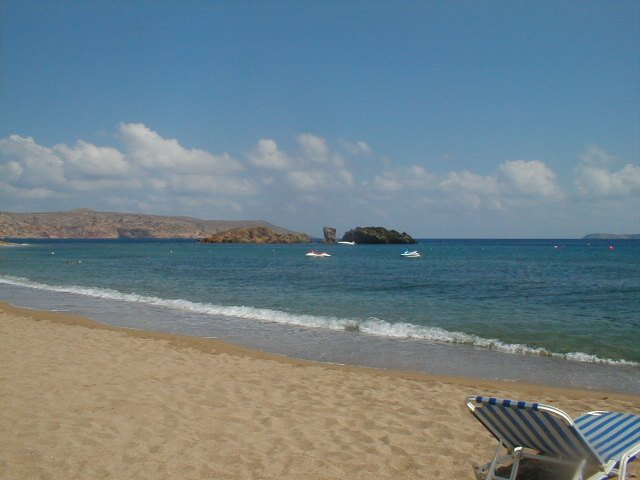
(84,223)
(612,236)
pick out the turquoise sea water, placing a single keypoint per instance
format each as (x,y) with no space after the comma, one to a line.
(575,302)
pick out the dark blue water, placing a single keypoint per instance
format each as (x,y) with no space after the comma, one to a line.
(572,301)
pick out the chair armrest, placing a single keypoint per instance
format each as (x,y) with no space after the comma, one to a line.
(597,412)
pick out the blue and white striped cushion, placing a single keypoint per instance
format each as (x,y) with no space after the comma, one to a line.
(610,434)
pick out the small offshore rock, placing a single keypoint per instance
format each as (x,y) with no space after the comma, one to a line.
(329,234)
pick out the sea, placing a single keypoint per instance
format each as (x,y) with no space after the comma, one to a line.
(552,312)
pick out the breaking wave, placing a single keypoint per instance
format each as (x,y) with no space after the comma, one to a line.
(371,326)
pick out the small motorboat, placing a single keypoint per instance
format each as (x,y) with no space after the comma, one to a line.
(346,243)
(411,254)
(313,253)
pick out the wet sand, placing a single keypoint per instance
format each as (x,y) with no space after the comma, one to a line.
(83,400)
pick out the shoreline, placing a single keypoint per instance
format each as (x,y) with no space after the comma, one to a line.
(331,347)
(215,345)
(86,400)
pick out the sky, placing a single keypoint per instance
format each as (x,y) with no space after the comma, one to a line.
(443,119)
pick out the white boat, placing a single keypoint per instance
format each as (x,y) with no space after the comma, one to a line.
(411,254)
(313,253)
(347,243)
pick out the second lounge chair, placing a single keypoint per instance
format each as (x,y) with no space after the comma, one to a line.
(598,444)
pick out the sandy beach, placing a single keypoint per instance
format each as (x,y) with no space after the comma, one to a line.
(81,400)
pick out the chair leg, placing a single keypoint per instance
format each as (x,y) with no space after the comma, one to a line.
(578,475)
(517,453)
(488,471)
(494,463)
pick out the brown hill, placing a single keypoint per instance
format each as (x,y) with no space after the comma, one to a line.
(256,235)
(84,223)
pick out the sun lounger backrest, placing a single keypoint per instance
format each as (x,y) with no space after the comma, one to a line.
(610,433)
(531,425)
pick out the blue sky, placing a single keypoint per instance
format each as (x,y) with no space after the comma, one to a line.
(457,119)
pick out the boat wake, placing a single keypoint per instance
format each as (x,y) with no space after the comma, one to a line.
(370,326)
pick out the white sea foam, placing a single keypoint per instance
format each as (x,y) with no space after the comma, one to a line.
(371,326)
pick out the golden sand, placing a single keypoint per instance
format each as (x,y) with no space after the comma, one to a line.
(81,400)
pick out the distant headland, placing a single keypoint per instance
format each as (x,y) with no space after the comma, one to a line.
(85,223)
(612,236)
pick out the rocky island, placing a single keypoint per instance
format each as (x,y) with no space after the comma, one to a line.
(256,235)
(376,235)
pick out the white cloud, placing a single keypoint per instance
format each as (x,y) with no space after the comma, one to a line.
(308,180)
(387,183)
(208,185)
(413,177)
(157,184)
(603,183)
(313,168)
(419,177)
(345,177)
(27,164)
(531,178)
(147,165)
(516,182)
(267,155)
(86,159)
(313,183)
(12,192)
(147,149)
(596,156)
(469,190)
(469,182)
(104,184)
(594,179)
(516,177)
(314,148)
(358,148)
(11,171)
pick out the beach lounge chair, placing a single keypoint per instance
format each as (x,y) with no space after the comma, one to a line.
(598,444)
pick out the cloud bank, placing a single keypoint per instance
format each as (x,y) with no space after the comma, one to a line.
(315,184)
